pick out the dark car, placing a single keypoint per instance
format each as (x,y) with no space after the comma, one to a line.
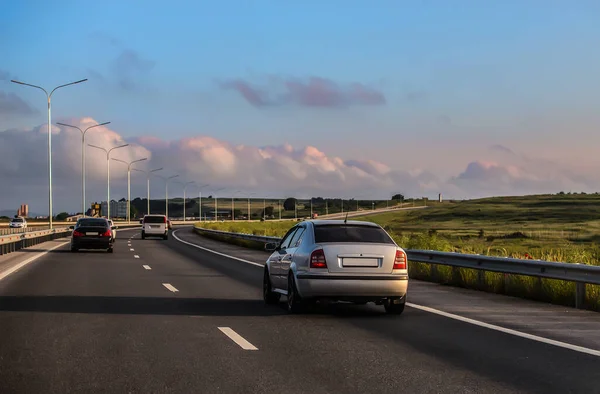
(92,233)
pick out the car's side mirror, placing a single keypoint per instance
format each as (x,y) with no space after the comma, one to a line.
(71,227)
(141,221)
(270,246)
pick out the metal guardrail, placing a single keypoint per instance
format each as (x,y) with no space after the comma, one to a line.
(13,242)
(17,230)
(581,274)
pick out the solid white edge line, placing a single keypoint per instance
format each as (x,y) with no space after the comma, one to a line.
(135,256)
(147,267)
(215,252)
(237,338)
(509,331)
(170,287)
(22,264)
(131,249)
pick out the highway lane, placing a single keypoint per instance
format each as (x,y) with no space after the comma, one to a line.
(94,322)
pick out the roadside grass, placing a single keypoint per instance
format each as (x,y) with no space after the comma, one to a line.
(562,228)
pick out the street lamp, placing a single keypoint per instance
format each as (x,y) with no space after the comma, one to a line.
(185,185)
(251,194)
(108,173)
(167,179)
(233,204)
(148,174)
(215,193)
(49,97)
(129,184)
(83,158)
(200,200)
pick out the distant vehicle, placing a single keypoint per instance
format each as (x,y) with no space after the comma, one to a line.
(18,222)
(155,226)
(336,260)
(114,232)
(92,233)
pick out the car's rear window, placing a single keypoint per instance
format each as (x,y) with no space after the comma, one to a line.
(351,233)
(154,219)
(92,223)
(17,220)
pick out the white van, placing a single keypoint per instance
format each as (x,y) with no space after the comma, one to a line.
(155,226)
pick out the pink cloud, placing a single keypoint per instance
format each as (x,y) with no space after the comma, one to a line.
(312,92)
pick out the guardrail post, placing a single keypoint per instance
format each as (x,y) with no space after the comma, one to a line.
(456,277)
(481,279)
(579,295)
(434,272)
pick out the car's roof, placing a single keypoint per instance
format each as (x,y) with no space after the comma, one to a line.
(322,222)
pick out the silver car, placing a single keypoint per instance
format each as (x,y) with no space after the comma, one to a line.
(336,260)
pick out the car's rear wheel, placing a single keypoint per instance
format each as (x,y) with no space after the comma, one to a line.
(109,250)
(166,236)
(394,306)
(269,296)
(74,250)
(143,235)
(294,303)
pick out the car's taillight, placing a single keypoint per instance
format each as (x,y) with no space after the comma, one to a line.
(400,260)
(107,233)
(317,259)
(77,233)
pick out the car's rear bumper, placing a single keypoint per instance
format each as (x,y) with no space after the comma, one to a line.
(312,285)
(154,232)
(92,243)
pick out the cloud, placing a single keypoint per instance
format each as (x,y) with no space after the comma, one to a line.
(129,66)
(280,170)
(501,149)
(311,92)
(275,170)
(518,175)
(13,105)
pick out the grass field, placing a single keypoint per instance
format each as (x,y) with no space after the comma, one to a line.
(564,228)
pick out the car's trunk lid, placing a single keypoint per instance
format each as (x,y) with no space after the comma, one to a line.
(366,258)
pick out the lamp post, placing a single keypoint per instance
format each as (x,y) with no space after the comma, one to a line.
(167,179)
(148,174)
(185,185)
(49,98)
(233,204)
(83,132)
(216,208)
(249,195)
(129,184)
(200,200)
(108,173)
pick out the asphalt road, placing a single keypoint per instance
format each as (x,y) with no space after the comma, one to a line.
(95,322)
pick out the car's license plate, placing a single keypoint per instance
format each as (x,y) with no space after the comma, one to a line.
(88,233)
(360,262)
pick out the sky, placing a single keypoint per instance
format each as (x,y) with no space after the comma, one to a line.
(332,98)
